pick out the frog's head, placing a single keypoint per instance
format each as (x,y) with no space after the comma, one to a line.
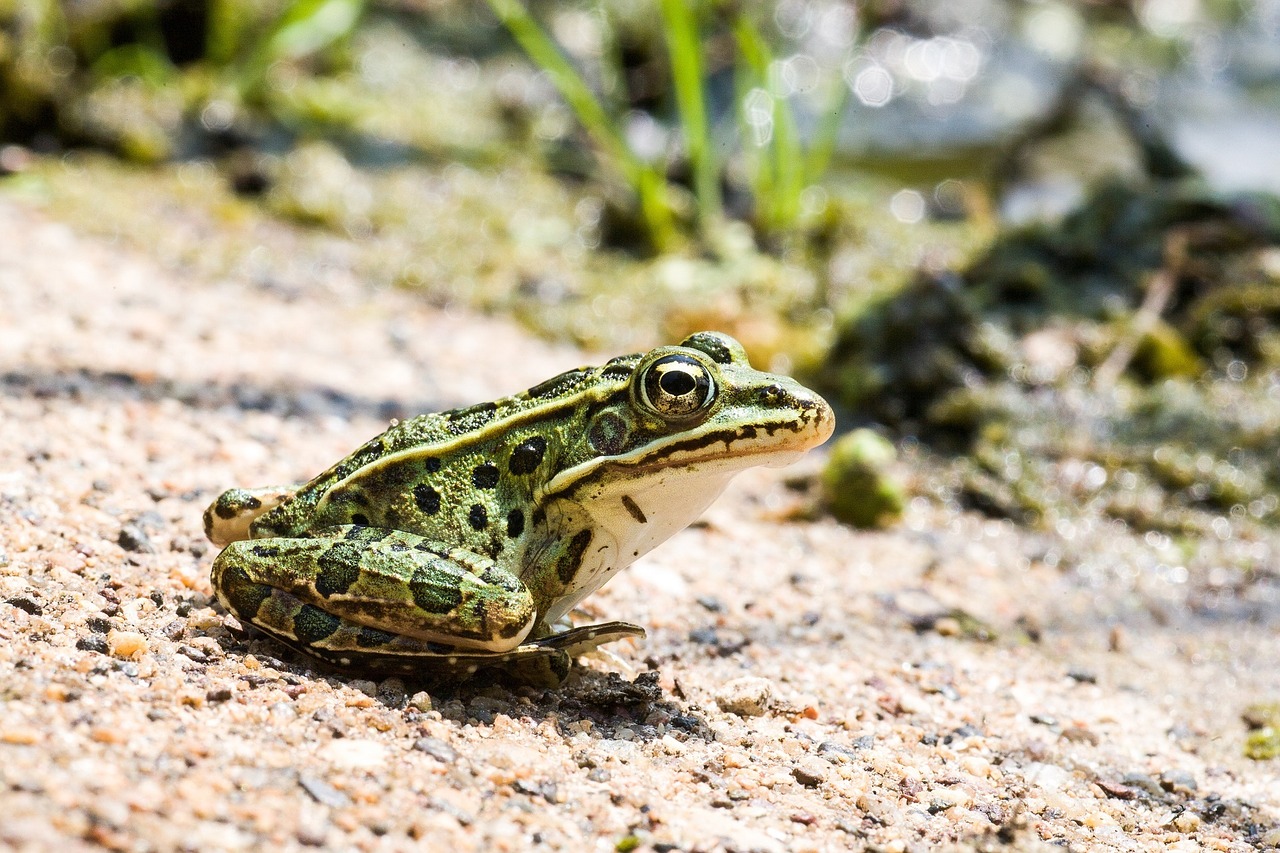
(656,452)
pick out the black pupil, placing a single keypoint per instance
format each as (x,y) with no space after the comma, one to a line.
(677,383)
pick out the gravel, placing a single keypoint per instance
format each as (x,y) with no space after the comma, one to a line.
(786,698)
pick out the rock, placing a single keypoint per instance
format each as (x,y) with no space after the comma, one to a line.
(809,772)
(126,644)
(860,484)
(322,792)
(1178,782)
(437,749)
(134,538)
(747,696)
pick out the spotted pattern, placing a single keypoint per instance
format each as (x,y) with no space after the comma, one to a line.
(230,503)
(339,568)
(527,456)
(478,517)
(371,637)
(607,434)
(472,418)
(557,385)
(242,593)
(515,523)
(434,592)
(568,563)
(485,476)
(311,624)
(427,498)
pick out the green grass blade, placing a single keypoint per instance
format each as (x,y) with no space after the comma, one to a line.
(782,171)
(818,158)
(305,27)
(685,49)
(644,178)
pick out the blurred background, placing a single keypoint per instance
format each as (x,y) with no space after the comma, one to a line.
(1030,249)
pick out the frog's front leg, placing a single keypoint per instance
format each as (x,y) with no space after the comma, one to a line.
(354,592)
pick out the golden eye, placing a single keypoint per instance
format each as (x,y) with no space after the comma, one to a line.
(676,387)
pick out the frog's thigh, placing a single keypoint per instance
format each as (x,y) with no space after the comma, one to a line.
(394,583)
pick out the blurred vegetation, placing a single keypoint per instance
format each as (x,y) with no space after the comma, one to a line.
(777,163)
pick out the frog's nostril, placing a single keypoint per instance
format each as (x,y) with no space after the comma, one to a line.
(773,395)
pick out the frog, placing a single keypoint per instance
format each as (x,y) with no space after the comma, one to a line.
(460,541)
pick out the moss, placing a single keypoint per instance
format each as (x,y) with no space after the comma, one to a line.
(861,485)
(1263,744)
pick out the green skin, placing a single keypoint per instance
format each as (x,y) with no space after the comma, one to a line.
(459,541)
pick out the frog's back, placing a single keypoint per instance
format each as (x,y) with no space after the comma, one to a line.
(469,476)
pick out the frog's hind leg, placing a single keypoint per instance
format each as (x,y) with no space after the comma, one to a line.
(227,519)
(362,592)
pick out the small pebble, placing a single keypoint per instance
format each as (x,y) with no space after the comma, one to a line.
(437,749)
(809,772)
(126,644)
(747,696)
(134,538)
(20,735)
(322,792)
(1178,782)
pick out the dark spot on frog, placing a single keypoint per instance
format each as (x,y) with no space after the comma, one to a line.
(527,456)
(634,510)
(515,523)
(557,385)
(232,503)
(711,345)
(339,567)
(510,630)
(478,517)
(311,624)
(359,459)
(359,519)
(362,532)
(244,596)
(569,562)
(264,551)
(607,433)
(433,591)
(463,421)
(427,498)
(485,476)
(617,369)
(373,637)
(501,579)
(432,464)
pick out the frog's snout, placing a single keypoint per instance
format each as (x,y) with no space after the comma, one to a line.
(810,413)
(816,413)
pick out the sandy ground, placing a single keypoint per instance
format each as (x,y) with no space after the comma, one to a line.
(802,687)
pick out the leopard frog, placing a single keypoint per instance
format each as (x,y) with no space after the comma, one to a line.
(460,540)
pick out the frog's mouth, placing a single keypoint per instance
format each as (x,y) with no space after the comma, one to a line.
(712,451)
(781,441)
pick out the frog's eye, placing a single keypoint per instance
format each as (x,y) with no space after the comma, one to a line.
(676,387)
